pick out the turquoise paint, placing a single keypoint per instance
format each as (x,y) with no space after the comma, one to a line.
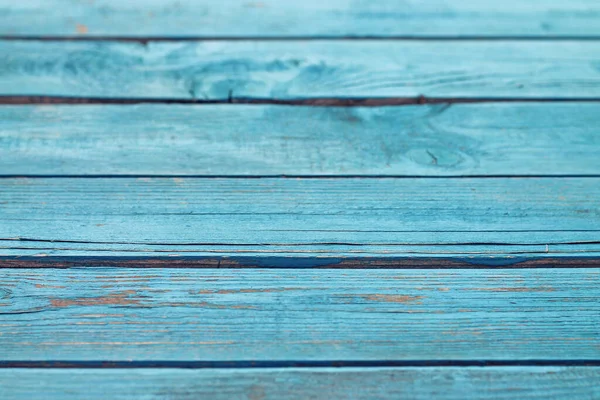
(475,139)
(579,383)
(219,70)
(276,18)
(471,301)
(451,218)
(257,314)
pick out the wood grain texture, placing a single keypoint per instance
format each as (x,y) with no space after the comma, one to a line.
(323,383)
(217,70)
(386,217)
(276,18)
(475,139)
(172,314)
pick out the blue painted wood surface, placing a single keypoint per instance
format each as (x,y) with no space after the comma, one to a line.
(218,315)
(436,140)
(220,70)
(277,18)
(320,383)
(447,269)
(384,217)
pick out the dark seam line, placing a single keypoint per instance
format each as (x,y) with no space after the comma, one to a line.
(295,364)
(371,267)
(479,261)
(434,231)
(201,38)
(296,268)
(320,101)
(328,176)
(315,252)
(349,244)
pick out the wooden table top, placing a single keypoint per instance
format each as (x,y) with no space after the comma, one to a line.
(282,199)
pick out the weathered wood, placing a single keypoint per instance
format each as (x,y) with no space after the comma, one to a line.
(323,383)
(217,70)
(480,139)
(384,217)
(272,18)
(173,314)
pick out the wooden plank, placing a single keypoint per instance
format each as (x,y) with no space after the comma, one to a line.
(462,139)
(386,217)
(121,314)
(322,383)
(219,70)
(273,18)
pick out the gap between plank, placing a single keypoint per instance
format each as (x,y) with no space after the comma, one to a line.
(243,364)
(294,262)
(147,39)
(291,244)
(366,176)
(320,101)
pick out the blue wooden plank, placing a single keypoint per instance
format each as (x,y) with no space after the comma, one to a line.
(220,70)
(463,139)
(180,18)
(322,383)
(384,217)
(268,315)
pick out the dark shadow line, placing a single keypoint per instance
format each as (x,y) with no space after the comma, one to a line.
(200,38)
(474,261)
(292,244)
(292,176)
(435,231)
(251,364)
(320,101)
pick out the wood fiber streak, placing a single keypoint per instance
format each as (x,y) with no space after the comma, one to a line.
(276,18)
(436,140)
(323,383)
(222,70)
(172,314)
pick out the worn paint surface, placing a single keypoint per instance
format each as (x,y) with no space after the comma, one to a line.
(221,70)
(174,314)
(436,140)
(276,18)
(414,241)
(318,383)
(529,217)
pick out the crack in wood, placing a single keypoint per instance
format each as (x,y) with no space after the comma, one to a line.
(317,101)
